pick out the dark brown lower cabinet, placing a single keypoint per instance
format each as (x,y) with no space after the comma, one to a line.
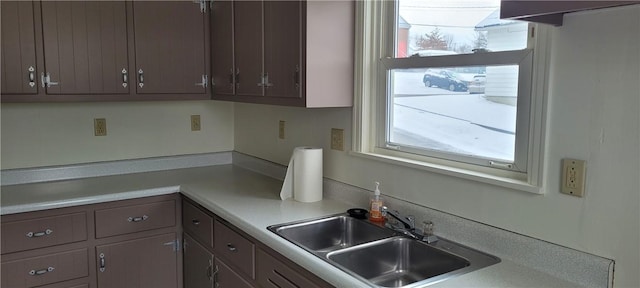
(70,247)
(198,264)
(275,273)
(239,260)
(146,262)
(227,278)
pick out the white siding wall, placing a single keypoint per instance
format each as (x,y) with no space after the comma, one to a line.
(503,81)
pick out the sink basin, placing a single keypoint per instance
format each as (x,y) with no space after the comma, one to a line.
(328,234)
(397,262)
(380,256)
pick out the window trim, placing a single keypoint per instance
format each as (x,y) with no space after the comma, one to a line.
(372,65)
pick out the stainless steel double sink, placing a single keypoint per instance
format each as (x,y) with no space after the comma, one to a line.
(381,256)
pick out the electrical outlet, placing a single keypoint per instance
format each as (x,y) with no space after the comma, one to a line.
(195,123)
(573,176)
(281,130)
(337,139)
(100,126)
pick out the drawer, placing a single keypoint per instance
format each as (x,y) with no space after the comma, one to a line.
(43,232)
(45,269)
(197,223)
(135,218)
(239,251)
(273,273)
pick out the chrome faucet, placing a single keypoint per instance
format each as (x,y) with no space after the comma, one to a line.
(409,227)
(408,222)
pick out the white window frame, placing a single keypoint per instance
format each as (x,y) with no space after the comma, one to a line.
(374,51)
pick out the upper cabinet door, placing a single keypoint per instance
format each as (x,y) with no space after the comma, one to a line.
(222,48)
(282,47)
(19,73)
(170,47)
(248,47)
(85,47)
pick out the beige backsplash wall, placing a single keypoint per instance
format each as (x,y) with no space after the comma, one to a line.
(594,108)
(45,134)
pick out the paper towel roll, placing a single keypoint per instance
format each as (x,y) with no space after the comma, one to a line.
(303,181)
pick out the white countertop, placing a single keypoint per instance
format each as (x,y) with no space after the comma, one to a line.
(247,200)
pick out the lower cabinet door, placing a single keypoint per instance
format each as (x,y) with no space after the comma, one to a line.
(139,263)
(198,265)
(227,278)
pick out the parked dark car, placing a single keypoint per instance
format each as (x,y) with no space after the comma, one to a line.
(443,79)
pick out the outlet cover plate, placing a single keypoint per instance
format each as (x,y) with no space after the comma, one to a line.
(337,139)
(573,177)
(100,127)
(195,123)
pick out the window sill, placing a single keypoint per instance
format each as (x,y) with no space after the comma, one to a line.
(454,172)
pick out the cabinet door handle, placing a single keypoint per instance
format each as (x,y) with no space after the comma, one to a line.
(39,234)
(140,78)
(210,271)
(195,222)
(237,79)
(205,79)
(296,77)
(32,76)
(231,247)
(125,78)
(231,77)
(138,219)
(264,81)
(102,263)
(46,80)
(41,271)
(215,276)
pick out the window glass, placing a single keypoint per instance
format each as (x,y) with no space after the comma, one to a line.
(451,27)
(469,111)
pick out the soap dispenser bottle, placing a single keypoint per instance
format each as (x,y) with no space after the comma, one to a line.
(375,206)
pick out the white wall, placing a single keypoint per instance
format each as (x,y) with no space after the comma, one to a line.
(594,108)
(46,134)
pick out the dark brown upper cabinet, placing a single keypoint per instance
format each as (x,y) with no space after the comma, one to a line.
(282,49)
(170,47)
(223,71)
(85,47)
(248,57)
(55,51)
(550,12)
(19,67)
(293,53)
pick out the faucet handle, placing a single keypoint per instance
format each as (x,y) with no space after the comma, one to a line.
(427,230)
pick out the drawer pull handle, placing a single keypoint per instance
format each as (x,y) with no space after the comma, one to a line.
(231,247)
(41,271)
(195,222)
(102,263)
(137,219)
(39,234)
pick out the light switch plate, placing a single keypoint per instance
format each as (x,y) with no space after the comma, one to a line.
(573,177)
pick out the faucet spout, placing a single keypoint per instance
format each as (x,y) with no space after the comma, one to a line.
(407,225)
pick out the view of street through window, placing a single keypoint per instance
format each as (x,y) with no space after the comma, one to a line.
(465,110)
